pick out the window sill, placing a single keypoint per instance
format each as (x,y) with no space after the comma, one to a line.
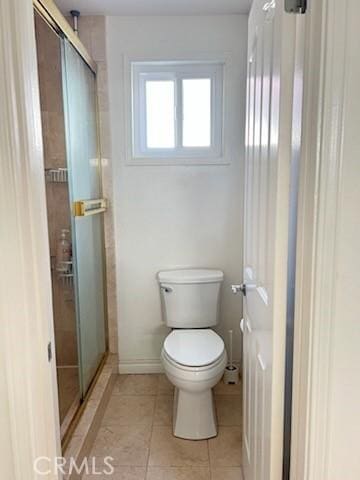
(178,161)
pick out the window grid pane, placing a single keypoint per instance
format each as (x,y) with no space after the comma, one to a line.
(177,111)
(196,105)
(160,114)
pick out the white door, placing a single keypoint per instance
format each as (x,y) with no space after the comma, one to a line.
(268,141)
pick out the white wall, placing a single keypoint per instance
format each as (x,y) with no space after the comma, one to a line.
(344,359)
(326,396)
(28,389)
(174,216)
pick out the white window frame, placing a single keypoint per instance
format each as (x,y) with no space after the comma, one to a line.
(176,71)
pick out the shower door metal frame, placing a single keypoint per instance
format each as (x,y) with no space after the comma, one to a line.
(55,19)
(78,209)
(50,12)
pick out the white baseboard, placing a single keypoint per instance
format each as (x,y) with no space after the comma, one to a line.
(149,366)
(140,366)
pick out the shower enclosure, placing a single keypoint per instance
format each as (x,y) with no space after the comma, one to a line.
(75,214)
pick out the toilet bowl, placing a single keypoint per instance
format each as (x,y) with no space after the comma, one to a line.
(193,355)
(194,375)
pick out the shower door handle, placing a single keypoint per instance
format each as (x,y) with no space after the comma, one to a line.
(84,208)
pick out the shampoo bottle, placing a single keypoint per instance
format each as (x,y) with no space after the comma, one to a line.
(63,253)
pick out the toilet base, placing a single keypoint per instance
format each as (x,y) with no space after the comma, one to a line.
(194,415)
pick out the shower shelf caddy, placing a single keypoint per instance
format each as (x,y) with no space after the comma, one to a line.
(56,175)
(67,279)
(65,273)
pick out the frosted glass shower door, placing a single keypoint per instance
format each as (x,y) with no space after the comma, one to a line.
(85,184)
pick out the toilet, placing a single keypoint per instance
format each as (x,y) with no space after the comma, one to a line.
(193,355)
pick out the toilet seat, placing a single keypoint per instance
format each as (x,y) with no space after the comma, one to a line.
(183,370)
(194,348)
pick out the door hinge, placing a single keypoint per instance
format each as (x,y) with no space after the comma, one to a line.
(295,6)
(49,351)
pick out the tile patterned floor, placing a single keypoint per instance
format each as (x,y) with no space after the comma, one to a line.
(136,431)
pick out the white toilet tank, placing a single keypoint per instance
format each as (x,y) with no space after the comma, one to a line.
(190,298)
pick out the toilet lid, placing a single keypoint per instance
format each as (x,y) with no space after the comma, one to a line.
(194,348)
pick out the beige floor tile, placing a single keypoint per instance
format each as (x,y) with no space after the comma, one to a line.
(229,410)
(136,385)
(120,473)
(128,445)
(165,387)
(163,410)
(226,473)
(178,473)
(225,449)
(225,389)
(129,410)
(120,378)
(167,450)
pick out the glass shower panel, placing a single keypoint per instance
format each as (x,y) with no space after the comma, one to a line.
(85,184)
(48,46)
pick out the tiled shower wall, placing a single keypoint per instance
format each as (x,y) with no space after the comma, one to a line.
(92,35)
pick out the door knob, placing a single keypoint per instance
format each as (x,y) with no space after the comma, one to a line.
(239,288)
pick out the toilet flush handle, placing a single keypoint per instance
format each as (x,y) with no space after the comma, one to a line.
(166,289)
(239,288)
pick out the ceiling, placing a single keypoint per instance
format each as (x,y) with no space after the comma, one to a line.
(155,7)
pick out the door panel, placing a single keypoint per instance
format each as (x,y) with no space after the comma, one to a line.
(84,182)
(265,251)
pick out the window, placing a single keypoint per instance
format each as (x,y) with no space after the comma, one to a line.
(177,109)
